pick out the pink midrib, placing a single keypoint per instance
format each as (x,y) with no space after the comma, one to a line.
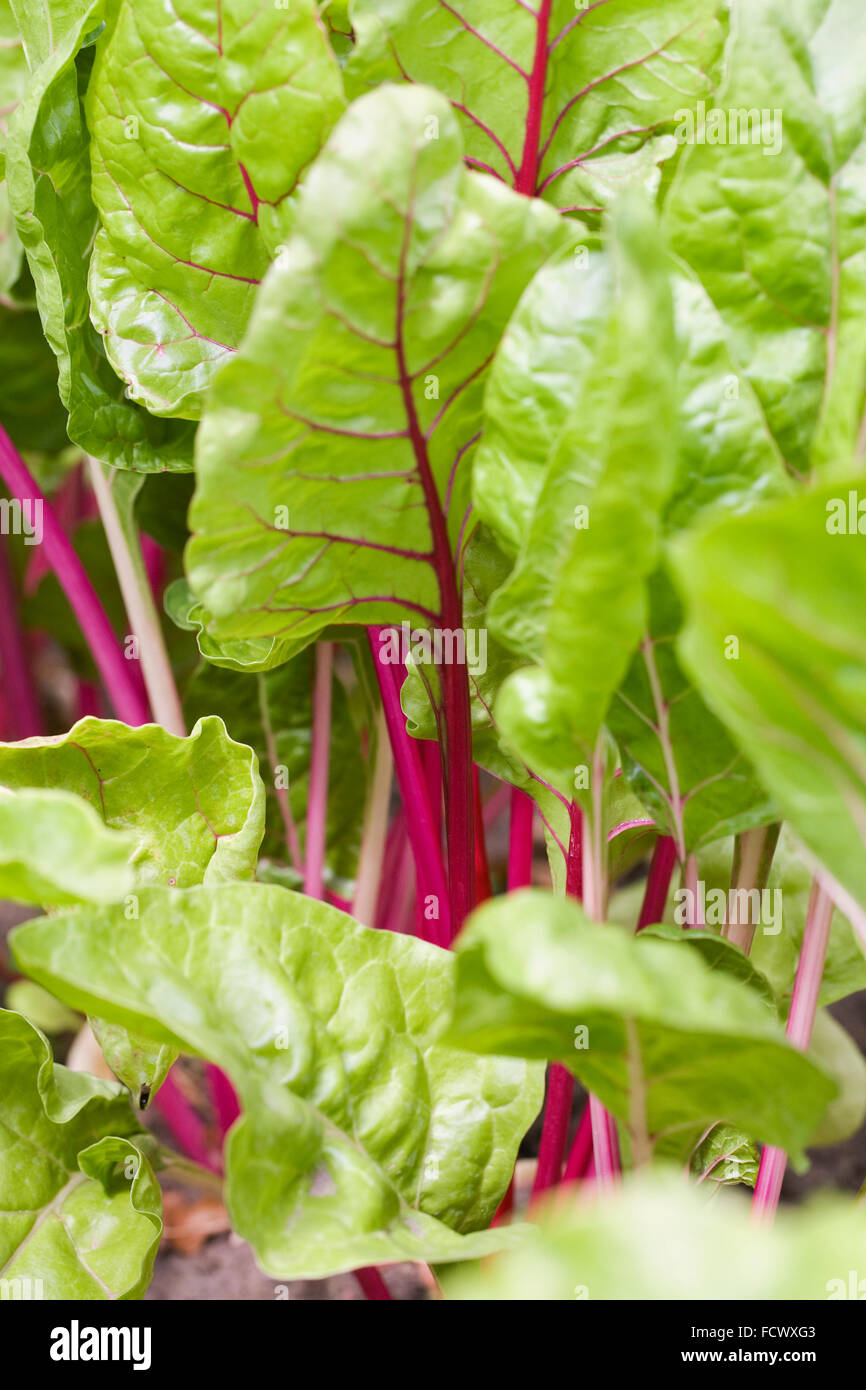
(527,175)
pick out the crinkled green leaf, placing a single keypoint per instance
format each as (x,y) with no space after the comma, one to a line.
(727,456)
(566,101)
(273,713)
(725,1157)
(670,1047)
(318,500)
(79,1205)
(363,1138)
(195,806)
(788,593)
(55,850)
(235,654)
(202,120)
(576,600)
(48,174)
(771,218)
(657,1237)
(13,78)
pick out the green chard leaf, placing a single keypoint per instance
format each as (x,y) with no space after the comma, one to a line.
(781,148)
(335,448)
(81,1209)
(13,79)
(576,599)
(724,1158)
(657,1237)
(669,1045)
(48,175)
(55,850)
(192,810)
(194,806)
(775,641)
(362,1139)
(569,103)
(677,756)
(201,124)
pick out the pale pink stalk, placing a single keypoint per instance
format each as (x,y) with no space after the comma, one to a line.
(375,829)
(801,1018)
(141,614)
(317,804)
(605,1147)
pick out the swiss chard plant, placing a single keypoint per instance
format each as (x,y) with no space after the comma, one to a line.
(432,641)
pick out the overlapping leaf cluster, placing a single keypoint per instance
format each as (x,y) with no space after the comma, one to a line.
(448,324)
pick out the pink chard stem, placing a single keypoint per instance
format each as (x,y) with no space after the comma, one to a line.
(184,1123)
(658,882)
(580,1156)
(124,693)
(605,1144)
(373,1285)
(560,1082)
(801,1018)
(520,840)
(554,1135)
(420,824)
(21,702)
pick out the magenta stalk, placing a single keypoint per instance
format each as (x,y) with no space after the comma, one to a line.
(658,882)
(520,840)
(373,1285)
(20,698)
(554,1135)
(422,830)
(125,696)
